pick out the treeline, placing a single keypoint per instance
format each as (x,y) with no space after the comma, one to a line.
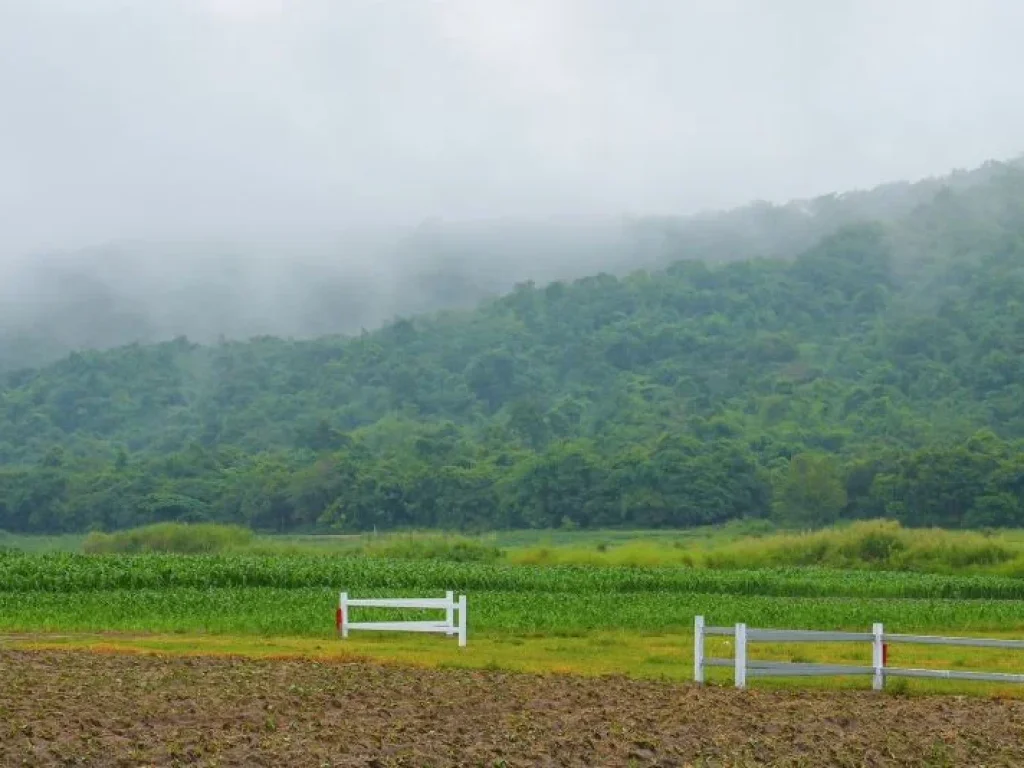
(673,481)
(847,381)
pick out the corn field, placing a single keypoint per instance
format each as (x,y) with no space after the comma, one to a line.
(64,572)
(297,595)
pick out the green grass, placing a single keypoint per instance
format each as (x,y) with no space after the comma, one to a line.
(662,656)
(874,545)
(568,618)
(202,538)
(310,612)
(213,538)
(878,544)
(590,539)
(70,542)
(296,594)
(63,572)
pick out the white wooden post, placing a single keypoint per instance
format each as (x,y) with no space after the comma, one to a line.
(449,611)
(741,656)
(698,649)
(343,607)
(878,657)
(462,621)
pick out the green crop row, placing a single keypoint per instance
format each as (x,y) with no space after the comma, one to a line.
(310,612)
(64,572)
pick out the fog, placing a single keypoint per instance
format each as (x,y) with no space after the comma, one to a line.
(292,166)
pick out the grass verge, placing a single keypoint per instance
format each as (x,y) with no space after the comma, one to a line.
(652,656)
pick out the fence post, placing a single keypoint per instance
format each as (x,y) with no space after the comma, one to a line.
(449,611)
(343,614)
(741,656)
(878,657)
(698,649)
(462,621)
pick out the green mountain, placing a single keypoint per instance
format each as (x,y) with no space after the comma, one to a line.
(127,293)
(873,369)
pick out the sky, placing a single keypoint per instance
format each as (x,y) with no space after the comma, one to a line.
(289,120)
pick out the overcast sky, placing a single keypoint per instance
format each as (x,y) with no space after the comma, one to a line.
(242,119)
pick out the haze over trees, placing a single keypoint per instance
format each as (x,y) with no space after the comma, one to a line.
(237,168)
(137,292)
(848,357)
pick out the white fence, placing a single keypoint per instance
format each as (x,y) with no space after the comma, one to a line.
(879,670)
(454,622)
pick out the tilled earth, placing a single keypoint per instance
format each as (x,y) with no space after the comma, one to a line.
(75,708)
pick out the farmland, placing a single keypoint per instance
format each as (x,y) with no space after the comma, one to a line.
(73,708)
(296,594)
(804,415)
(590,619)
(250,629)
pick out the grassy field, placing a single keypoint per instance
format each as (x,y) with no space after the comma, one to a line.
(310,612)
(870,545)
(641,654)
(71,542)
(65,572)
(599,614)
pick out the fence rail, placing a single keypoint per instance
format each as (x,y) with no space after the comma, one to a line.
(879,670)
(454,622)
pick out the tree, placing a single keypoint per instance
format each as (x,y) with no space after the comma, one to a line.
(811,491)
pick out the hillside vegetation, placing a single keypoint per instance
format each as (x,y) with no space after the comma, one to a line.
(876,373)
(867,544)
(53,304)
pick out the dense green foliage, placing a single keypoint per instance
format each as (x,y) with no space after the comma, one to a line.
(875,374)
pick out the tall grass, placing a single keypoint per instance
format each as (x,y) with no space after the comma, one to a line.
(211,538)
(180,538)
(875,544)
(706,534)
(457,549)
(393,546)
(65,542)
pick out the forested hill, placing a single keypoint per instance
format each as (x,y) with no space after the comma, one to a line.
(151,292)
(877,372)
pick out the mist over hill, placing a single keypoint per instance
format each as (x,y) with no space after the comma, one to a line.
(139,292)
(236,168)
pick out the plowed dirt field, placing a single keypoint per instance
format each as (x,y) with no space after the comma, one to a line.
(80,708)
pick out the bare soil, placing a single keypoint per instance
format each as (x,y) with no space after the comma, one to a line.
(81,708)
